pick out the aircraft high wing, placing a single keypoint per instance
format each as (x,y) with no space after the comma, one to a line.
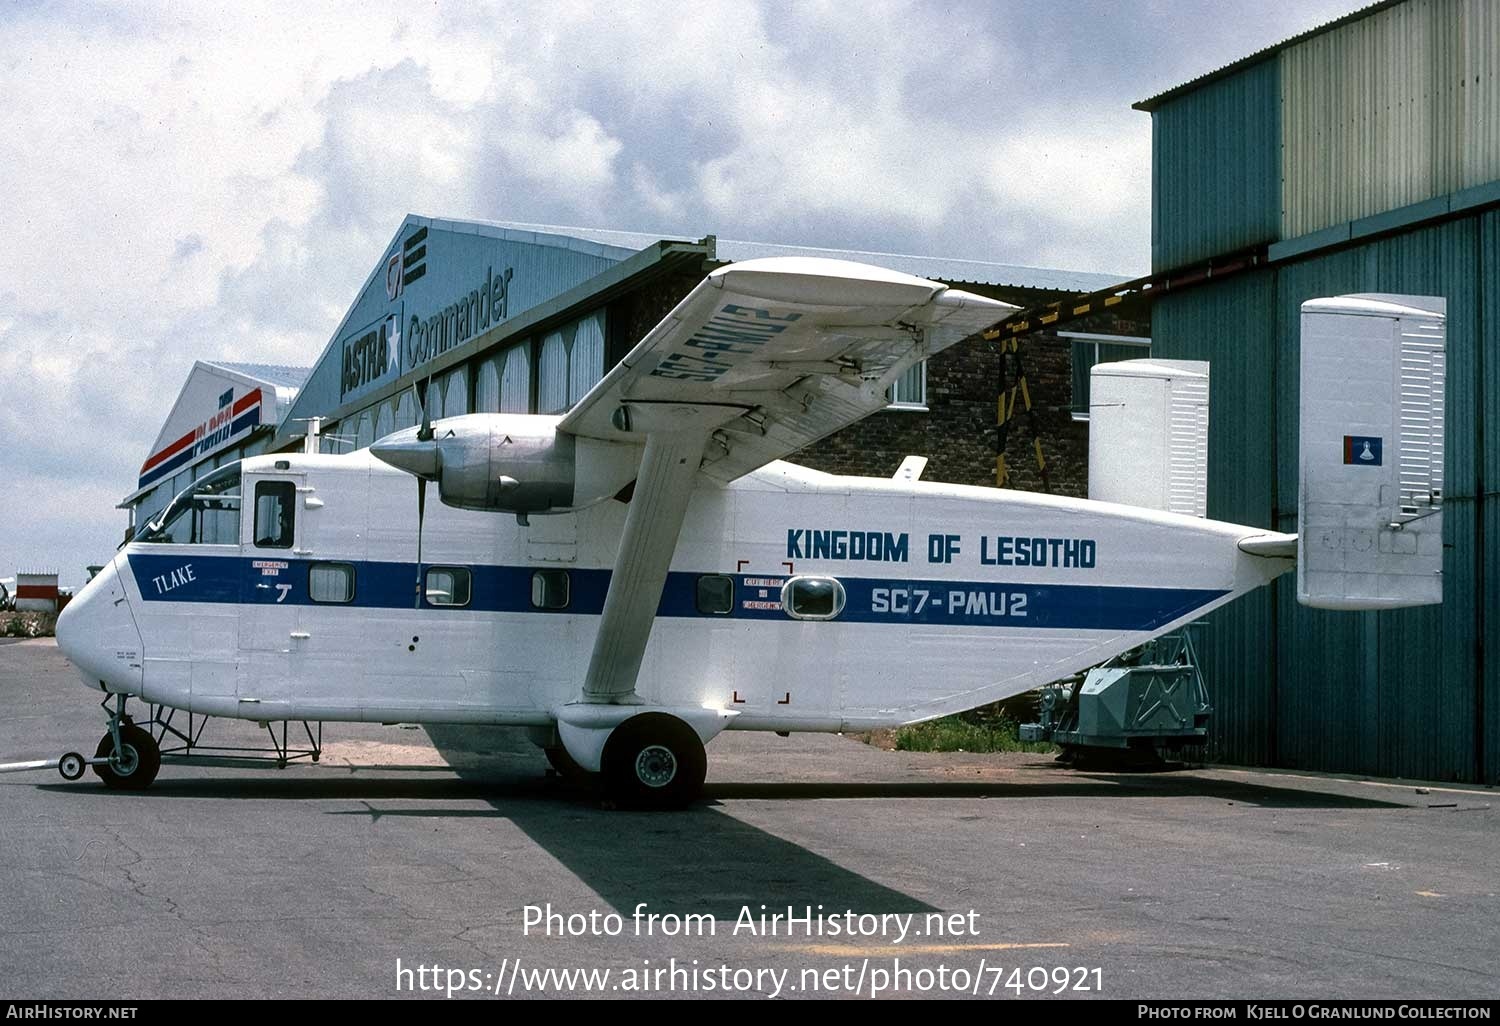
(777,353)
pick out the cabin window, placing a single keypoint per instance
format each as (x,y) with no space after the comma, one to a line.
(549,589)
(275,504)
(448,586)
(207,512)
(715,595)
(330,582)
(812,598)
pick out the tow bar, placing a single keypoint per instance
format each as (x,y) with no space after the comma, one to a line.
(71,765)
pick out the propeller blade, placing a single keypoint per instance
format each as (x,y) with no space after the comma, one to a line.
(421,514)
(424,434)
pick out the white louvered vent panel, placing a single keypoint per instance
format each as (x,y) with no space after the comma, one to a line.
(1421,417)
(1187,447)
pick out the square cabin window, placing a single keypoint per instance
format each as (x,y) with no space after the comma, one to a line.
(549,589)
(448,586)
(715,595)
(274,514)
(330,582)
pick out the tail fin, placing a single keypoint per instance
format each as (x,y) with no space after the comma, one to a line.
(1370,501)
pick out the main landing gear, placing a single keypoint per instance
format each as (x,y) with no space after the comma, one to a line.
(650,760)
(653,761)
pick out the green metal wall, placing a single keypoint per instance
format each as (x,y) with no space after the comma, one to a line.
(1216,168)
(1398,693)
(1211,323)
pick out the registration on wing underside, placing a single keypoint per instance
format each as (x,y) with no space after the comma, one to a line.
(729,336)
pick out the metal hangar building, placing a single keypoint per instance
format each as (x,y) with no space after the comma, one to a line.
(1363,156)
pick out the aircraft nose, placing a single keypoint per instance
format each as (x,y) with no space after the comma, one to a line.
(405,451)
(97,633)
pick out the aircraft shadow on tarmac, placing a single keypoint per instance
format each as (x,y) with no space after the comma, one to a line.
(700,860)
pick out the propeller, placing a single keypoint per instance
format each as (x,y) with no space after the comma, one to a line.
(424,435)
(415,452)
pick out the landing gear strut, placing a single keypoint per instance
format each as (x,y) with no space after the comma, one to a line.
(131,756)
(654,761)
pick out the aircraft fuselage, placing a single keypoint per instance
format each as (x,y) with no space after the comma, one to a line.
(943,598)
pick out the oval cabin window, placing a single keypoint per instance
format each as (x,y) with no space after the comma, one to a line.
(812,598)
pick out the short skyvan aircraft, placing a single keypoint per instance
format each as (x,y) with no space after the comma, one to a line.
(662,575)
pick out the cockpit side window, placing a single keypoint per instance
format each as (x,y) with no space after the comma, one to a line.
(206,512)
(275,514)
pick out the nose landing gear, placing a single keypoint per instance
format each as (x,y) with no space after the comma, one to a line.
(127,757)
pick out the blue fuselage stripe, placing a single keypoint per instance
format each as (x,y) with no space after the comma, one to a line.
(268,579)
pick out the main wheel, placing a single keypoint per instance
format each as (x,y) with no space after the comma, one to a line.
(654,761)
(140,758)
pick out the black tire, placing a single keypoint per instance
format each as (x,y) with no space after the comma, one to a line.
(71,766)
(140,747)
(654,761)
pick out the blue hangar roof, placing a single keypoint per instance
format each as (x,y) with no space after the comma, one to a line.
(947,269)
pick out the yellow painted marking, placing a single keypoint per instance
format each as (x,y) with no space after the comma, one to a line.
(1025,394)
(1041,464)
(1081,309)
(1048,318)
(854,951)
(1112,300)
(999,471)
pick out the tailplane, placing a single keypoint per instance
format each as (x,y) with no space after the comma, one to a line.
(1370,497)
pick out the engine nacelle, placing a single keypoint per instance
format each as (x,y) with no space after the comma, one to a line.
(512,463)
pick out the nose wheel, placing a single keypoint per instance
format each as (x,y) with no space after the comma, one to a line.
(130,765)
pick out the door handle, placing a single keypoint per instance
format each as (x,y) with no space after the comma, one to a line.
(263,587)
(301,635)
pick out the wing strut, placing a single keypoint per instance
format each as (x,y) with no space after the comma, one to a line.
(669,471)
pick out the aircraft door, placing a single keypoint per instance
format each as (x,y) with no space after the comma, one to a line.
(274,589)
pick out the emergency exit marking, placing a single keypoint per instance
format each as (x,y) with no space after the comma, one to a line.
(785,701)
(737,699)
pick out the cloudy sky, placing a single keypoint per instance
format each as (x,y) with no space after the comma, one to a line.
(201,180)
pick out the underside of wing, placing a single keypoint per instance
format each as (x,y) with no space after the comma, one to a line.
(768,356)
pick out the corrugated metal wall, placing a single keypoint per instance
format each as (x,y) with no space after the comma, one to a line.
(1489,483)
(1212,323)
(1389,110)
(1391,693)
(1216,160)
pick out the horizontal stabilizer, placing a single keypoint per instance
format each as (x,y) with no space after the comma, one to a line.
(1370,500)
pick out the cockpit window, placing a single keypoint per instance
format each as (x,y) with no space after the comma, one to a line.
(274,516)
(206,512)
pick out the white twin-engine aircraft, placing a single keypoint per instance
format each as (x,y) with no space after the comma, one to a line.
(662,575)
